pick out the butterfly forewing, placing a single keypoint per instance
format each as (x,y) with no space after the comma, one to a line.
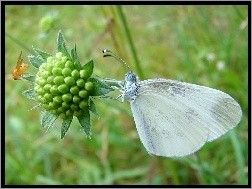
(219,110)
(20,60)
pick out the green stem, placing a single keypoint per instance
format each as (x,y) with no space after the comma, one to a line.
(131,44)
(19,42)
(239,156)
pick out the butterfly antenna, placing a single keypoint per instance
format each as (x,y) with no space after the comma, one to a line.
(110,53)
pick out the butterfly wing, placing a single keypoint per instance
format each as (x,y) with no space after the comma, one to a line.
(20,60)
(175,118)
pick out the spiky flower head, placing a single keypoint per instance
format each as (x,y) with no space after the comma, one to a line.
(64,88)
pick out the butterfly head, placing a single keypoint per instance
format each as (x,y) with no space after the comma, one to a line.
(130,77)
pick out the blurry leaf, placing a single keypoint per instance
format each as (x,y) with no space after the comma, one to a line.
(84,120)
(92,108)
(89,66)
(41,53)
(36,61)
(65,125)
(61,45)
(30,94)
(100,88)
(29,77)
(45,180)
(48,119)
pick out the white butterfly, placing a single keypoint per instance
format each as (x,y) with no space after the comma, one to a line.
(175,118)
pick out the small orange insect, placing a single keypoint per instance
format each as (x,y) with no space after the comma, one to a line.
(20,68)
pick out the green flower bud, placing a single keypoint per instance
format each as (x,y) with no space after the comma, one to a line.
(65,105)
(42,82)
(48,97)
(54,90)
(66,72)
(74,90)
(69,65)
(83,94)
(60,87)
(77,113)
(57,99)
(59,55)
(83,74)
(74,107)
(58,80)
(69,81)
(76,99)
(49,68)
(63,115)
(80,83)
(40,91)
(89,86)
(69,113)
(67,97)
(59,64)
(50,59)
(64,59)
(47,87)
(43,67)
(54,111)
(75,74)
(83,104)
(60,110)
(50,79)
(56,71)
(63,88)
(45,74)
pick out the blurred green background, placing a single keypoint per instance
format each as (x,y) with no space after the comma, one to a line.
(206,45)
